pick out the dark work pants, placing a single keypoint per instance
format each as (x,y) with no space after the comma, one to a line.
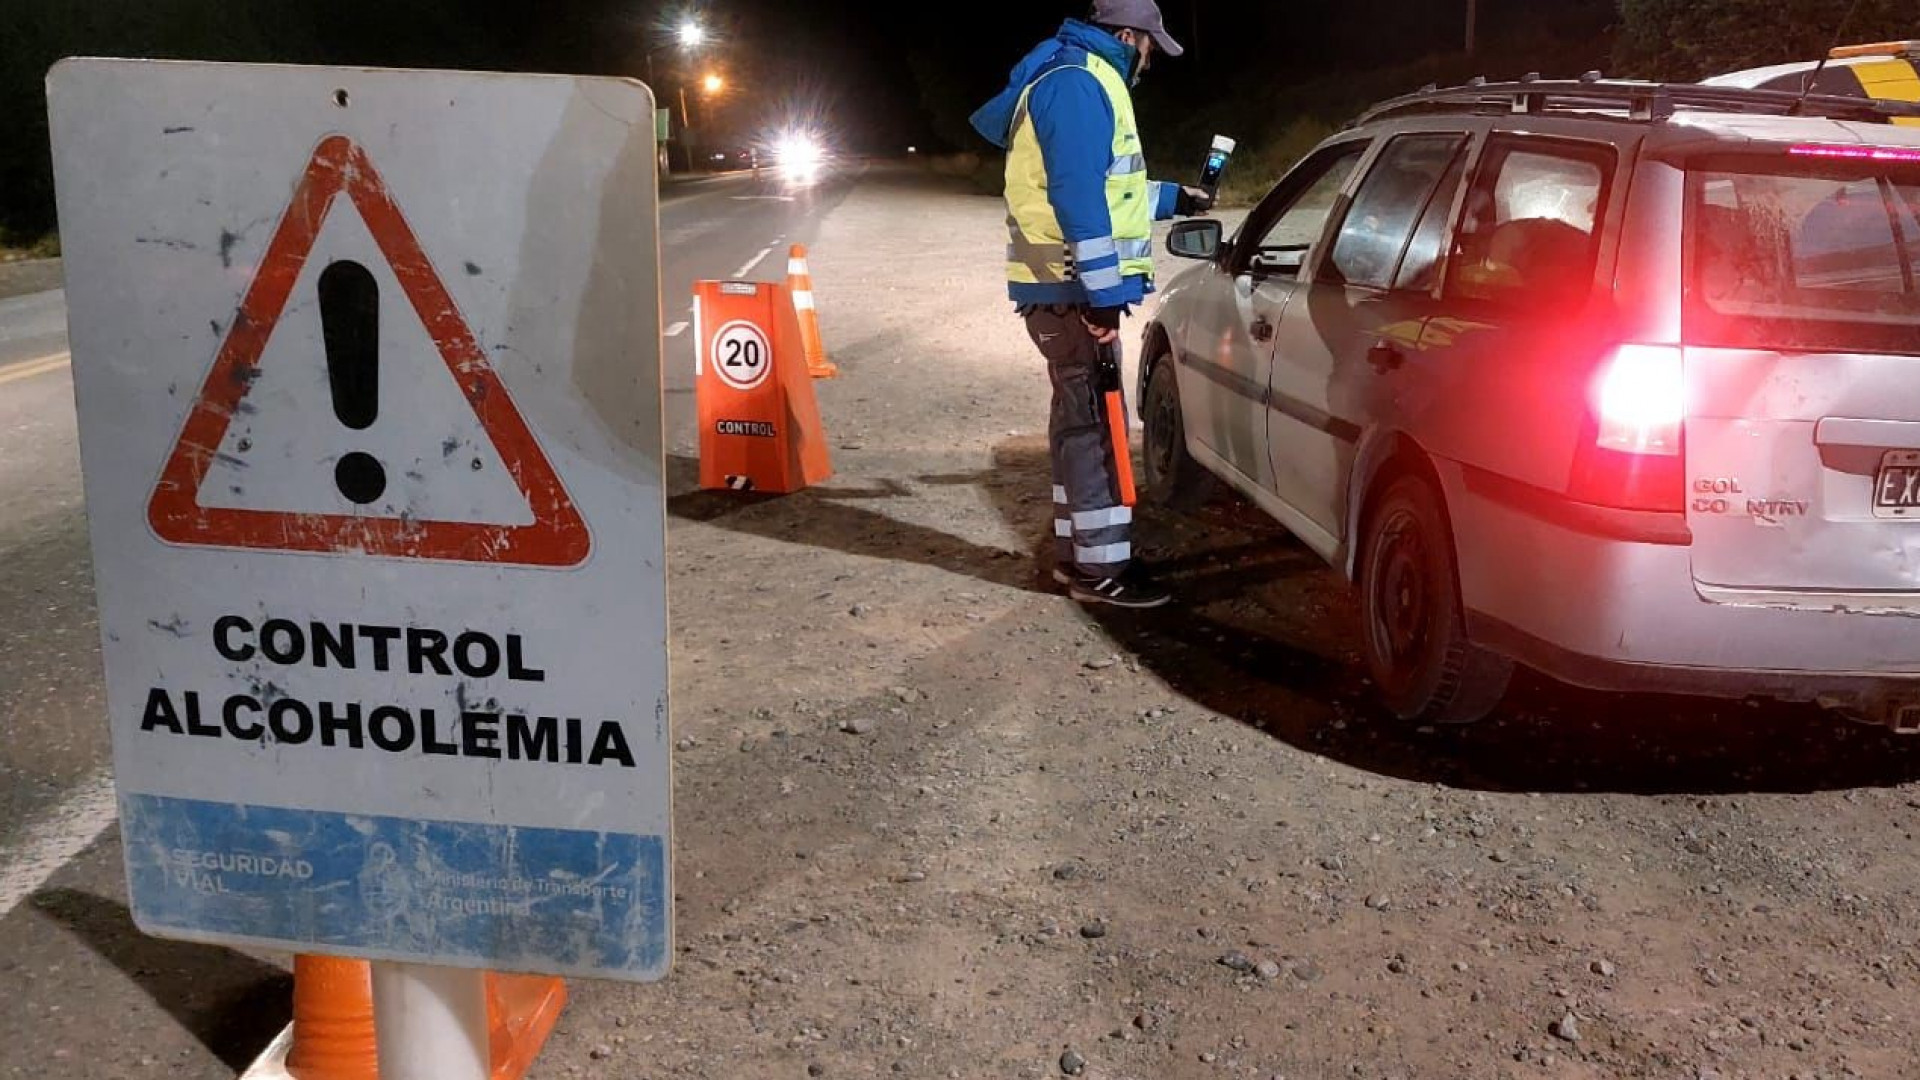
(1092,531)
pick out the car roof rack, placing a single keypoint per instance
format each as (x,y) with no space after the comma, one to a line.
(1650,102)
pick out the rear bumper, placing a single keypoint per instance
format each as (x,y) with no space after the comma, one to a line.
(1862,691)
(1608,601)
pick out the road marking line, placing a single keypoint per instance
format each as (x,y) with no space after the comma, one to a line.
(31,368)
(751,263)
(52,842)
(676,329)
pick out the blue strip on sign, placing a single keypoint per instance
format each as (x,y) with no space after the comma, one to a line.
(491,895)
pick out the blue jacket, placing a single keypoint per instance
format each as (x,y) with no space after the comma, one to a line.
(1074,123)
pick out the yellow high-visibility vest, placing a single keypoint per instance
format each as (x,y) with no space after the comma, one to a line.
(1038,252)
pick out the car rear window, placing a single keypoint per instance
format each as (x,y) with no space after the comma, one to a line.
(1794,254)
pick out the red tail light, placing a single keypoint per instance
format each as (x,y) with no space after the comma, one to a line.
(1630,457)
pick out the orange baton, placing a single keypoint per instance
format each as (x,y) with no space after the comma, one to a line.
(1122,454)
(1117,424)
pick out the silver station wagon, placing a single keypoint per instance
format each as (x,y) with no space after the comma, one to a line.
(1617,380)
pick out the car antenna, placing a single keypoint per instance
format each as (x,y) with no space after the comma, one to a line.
(1839,35)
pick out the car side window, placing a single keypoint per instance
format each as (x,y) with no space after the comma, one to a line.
(1288,230)
(1421,264)
(1380,224)
(1529,236)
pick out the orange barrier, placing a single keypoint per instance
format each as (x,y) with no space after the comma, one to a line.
(759,423)
(333,1020)
(800,283)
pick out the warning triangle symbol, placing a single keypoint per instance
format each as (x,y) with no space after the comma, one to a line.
(557,535)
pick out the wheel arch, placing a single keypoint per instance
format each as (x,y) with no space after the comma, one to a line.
(1156,346)
(1385,457)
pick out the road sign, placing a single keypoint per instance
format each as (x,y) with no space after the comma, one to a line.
(348,293)
(368,372)
(741,355)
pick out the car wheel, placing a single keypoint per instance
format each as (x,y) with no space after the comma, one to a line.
(1415,631)
(1174,479)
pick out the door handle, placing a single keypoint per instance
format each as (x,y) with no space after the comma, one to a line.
(1261,329)
(1386,357)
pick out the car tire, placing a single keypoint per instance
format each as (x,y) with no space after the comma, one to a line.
(1414,628)
(1173,479)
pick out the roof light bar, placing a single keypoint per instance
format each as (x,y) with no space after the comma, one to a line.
(1878,48)
(1858,153)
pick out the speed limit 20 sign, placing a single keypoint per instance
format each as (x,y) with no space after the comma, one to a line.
(741,355)
(759,424)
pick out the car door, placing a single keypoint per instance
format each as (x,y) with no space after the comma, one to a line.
(1357,320)
(1227,352)
(1525,312)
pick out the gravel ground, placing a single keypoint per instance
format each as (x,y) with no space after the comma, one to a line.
(935,820)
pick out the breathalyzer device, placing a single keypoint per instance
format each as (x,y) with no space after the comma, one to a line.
(1216,166)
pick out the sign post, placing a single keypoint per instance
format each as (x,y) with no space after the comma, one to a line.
(368,373)
(430,1022)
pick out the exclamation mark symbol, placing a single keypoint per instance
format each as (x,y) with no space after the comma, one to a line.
(350,324)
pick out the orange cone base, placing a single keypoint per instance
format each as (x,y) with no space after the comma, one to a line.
(332,1034)
(523,1010)
(332,1020)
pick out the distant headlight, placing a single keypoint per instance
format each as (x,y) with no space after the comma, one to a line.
(800,156)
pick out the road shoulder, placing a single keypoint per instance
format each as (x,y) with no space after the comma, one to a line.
(24,277)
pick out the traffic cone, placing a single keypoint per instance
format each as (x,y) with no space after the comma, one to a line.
(800,284)
(333,1020)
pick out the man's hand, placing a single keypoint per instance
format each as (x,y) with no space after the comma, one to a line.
(1192,201)
(1103,323)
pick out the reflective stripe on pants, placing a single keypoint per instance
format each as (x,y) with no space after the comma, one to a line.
(1093,533)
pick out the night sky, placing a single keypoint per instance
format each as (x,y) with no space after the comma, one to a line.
(875,77)
(853,65)
(882,70)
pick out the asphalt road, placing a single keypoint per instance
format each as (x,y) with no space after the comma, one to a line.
(80,981)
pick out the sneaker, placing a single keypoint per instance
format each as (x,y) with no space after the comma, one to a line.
(1062,576)
(1132,589)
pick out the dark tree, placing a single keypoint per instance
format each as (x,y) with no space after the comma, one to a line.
(1691,39)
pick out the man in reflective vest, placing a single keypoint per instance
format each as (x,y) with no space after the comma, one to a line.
(1080,214)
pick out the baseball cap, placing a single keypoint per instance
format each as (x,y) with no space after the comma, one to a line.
(1141,15)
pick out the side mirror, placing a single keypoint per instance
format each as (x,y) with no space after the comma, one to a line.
(1199,239)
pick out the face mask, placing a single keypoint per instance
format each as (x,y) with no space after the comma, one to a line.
(1139,69)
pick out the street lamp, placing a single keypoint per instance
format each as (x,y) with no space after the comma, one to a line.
(690,36)
(687,37)
(711,86)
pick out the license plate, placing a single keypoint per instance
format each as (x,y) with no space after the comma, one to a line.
(1896,490)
